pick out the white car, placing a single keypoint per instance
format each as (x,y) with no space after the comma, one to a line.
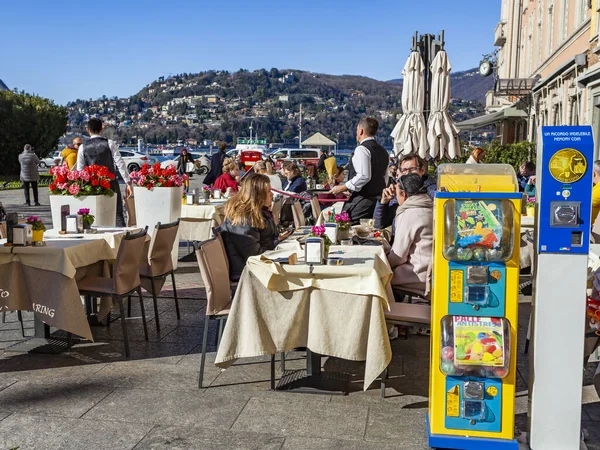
(51,160)
(201,164)
(134,160)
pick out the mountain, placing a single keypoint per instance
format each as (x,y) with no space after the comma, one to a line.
(220,106)
(466,85)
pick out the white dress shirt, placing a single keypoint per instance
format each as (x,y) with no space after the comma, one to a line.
(119,162)
(361,161)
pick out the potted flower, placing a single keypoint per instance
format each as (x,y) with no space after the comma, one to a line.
(38,228)
(319,231)
(158,194)
(343,221)
(530,207)
(83,189)
(88,219)
(206,190)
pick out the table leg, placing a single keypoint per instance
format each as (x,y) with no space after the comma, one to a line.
(313,380)
(40,342)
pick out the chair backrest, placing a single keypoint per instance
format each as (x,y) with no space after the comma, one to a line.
(126,272)
(214,270)
(316,207)
(218,234)
(276,210)
(130,207)
(3,230)
(160,260)
(299,219)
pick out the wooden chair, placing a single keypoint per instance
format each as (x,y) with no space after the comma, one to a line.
(299,219)
(160,263)
(124,281)
(316,207)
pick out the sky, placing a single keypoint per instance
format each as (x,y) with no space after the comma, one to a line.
(65,50)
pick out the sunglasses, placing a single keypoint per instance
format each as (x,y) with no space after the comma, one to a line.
(78,144)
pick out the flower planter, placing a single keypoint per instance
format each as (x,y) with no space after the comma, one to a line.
(159,204)
(530,212)
(37,235)
(103,207)
(343,234)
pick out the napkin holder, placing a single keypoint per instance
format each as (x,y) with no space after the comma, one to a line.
(314,248)
(331,231)
(75,223)
(22,234)
(197,196)
(12,219)
(190,198)
(65,210)
(217,194)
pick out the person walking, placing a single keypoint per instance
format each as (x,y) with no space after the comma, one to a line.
(216,165)
(184,159)
(29,174)
(104,152)
(69,153)
(367,176)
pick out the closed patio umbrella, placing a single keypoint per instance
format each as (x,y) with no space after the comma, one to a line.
(442,134)
(410,132)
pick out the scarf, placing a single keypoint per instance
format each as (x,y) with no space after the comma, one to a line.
(414,202)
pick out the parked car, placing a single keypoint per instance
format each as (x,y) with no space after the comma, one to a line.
(300,156)
(51,160)
(201,164)
(134,160)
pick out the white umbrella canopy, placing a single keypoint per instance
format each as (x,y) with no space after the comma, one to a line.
(442,134)
(410,133)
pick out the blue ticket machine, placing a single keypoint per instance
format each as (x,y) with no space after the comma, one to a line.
(565,157)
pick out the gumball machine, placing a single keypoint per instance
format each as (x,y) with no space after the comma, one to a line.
(474,307)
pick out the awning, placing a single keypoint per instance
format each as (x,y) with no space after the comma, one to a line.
(489,119)
(318,140)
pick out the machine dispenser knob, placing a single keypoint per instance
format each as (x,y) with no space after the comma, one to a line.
(476,307)
(472,422)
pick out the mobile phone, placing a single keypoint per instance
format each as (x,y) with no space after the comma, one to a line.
(393,180)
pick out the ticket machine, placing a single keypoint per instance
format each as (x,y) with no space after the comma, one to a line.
(474,307)
(563,210)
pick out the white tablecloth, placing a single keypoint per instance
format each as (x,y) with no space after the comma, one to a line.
(336,311)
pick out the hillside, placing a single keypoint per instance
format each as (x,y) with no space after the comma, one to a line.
(466,85)
(219,105)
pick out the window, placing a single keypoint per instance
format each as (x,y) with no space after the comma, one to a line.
(550,28)
(126,154)
(302,154)
(563,15)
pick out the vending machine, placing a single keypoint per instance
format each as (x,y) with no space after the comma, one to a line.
(474,307)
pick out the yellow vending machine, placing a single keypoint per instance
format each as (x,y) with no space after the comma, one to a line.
(474,307)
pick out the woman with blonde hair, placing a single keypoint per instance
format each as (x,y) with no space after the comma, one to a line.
(230,177)
(266,168)
(249,228)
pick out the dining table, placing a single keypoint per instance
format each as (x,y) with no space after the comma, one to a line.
(331,310)
(43,279)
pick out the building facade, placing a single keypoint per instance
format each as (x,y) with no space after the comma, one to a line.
(547,65)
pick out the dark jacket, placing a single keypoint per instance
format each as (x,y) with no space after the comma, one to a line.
(243,241)
(29,166)
(321,165)
(182,163)
(296,185)
(216,167)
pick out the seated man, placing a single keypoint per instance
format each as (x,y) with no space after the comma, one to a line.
(411,253)
(385,209)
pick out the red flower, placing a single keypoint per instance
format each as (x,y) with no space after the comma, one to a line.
(105,184)
(52,187)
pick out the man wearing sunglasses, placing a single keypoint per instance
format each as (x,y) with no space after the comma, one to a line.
(385,209)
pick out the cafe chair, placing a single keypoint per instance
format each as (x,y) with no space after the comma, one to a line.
(316,207)
(298,214)
(276,210)
(159,264)
(405,314)
(130,208)
(214,270)
(124,281)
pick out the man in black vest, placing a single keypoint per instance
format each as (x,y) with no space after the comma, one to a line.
(104,152)
(367,172)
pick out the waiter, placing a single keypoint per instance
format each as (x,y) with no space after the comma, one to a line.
(103,152)
(367,173)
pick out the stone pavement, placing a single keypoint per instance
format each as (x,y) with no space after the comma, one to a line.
(92,397)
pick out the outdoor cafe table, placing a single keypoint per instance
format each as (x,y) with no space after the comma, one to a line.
(197,221)
(44,280)
(332,310)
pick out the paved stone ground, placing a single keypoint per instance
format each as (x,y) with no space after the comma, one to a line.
(93,397)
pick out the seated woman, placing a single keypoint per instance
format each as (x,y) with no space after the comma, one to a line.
(295,182)
(312,174)
(411,252)
(337,179)
(230,177)
(266,168)
(248,228)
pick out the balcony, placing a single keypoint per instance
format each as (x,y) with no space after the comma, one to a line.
(500,34)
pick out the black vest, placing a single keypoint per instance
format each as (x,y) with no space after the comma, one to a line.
(97,151)
(380,159)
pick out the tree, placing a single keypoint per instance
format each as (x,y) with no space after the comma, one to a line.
(28,119)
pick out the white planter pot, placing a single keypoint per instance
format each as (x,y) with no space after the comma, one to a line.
(102,207)
(161,204)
